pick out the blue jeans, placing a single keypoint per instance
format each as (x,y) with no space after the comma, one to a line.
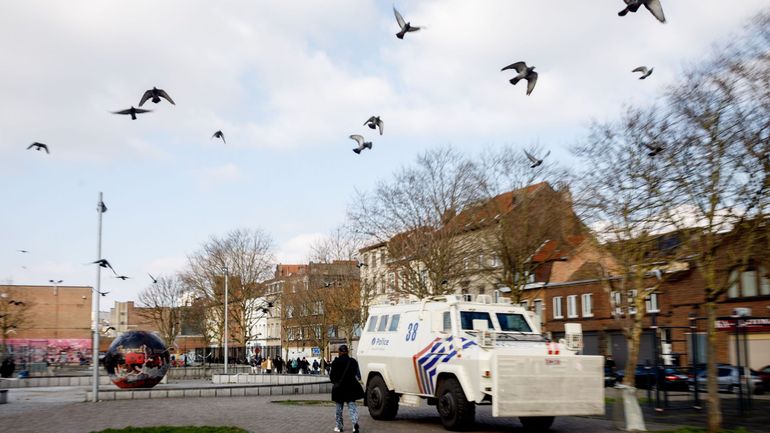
(352,408)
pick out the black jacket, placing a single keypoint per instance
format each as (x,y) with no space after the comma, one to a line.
(344,377)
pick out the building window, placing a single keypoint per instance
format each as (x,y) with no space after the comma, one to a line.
(391,281)
(617,304)
(447,321)
(587,304)
(751,282)
(538,304)
(524,304)
(557,313)
(651,303)
(497,261)
(632,302)
(572,306)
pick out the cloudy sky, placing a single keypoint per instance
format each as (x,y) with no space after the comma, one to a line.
(286,82)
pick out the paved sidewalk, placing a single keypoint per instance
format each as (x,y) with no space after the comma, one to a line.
(57,410)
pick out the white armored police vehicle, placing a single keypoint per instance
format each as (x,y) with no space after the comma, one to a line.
(457,352)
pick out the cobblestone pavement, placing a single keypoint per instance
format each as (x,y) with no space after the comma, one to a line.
(61,410)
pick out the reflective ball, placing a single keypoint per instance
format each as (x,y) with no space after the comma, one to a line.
(137,359)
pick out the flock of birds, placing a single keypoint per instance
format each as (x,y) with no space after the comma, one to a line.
(523,72)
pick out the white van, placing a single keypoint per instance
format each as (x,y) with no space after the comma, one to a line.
(457,353)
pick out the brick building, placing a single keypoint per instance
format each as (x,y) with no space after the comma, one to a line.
(46,322)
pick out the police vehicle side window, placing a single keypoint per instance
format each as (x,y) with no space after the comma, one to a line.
(383,323)
(447,322)
(513,322)
(394,322)
(467,318)
(372,324)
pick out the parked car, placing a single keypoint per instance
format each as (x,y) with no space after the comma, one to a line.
(729,379)
(764,375)
(673,379)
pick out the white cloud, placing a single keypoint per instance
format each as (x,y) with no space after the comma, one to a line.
(296,249)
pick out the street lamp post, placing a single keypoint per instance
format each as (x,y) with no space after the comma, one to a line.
(100,209)
(56,307)
(226,330)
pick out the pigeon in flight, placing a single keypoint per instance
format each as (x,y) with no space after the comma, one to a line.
(405,26)
(327,283)
(132,111)
(122,277)
(360,265)
(154,280)
(103,293)
(38,147)
(105,264)
(361,143)
(654,149)
(13,302)
(219,134)
(375,122)
(155,93)
(535,162)
(23,251)
(652,5)
(644,70)
(525,72)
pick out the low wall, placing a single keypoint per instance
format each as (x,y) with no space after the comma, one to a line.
(220,391)
(266,379)
(45,381)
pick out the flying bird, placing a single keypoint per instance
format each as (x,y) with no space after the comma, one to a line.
(219,134)
(155,93)
(105,264)
(375,122)
(23,251)
(644,70)
(405,26)
(103,293)
(654,149)
(327,283)
(122,277)
(132,111)
(535,162)
(154,280)
(39,146)
(361,143)
(524,72)
(13,302)
(361,265)
(652,5)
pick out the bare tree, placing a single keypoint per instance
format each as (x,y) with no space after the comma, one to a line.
(14,313)
(697,166)
(415,205)
(341,243)
(163,305)
(622,192)
(718,150)
(248,259)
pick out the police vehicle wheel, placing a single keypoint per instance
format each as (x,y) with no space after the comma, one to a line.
(456,412)
(536,423)
(382,403)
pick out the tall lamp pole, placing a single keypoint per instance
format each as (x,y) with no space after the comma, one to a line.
(226,329)
(100,209)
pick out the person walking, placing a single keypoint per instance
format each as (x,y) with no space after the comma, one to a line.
(346,388)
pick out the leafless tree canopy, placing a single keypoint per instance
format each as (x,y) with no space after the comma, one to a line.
(162,304)
(248,256)
(14,312)
(707,183)
(342,243)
